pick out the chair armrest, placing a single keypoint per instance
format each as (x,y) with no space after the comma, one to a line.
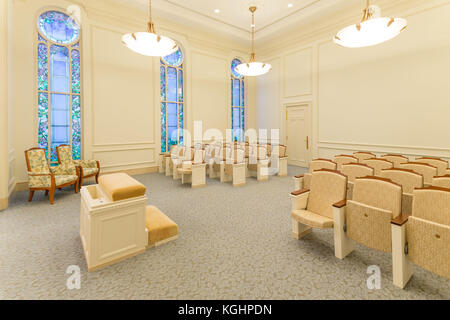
(340,204)
(300,192)
(33,174)
(299,176)
(300,199)
(400,220)
(87,163)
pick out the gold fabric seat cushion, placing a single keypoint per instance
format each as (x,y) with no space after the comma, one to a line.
(185,170)
(120,186)
(159,226)
(312,219)
(89,171)
(46,182)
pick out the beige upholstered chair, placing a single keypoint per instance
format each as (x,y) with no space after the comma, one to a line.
(344,159)
(221,153)
(42,177)
(442,181)
(409,180)
(396,159)
(259,163)
(363,155)
(185,153)
(279,159)
(86,168)
(193,171)
(314,208)
(353,171)
(428,171)
(304,181)
(367,218)
(378,165)
(233,168)
(440,164)
(423,238)
(175,152)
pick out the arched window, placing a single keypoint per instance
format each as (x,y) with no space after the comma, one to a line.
(172,100)
(59,83)
(237,102)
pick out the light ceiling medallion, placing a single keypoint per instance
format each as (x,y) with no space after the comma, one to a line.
(372,30)
(149,43)
(253,68)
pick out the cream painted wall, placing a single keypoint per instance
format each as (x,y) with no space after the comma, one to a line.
(11,153)
(121,108)
(389,98)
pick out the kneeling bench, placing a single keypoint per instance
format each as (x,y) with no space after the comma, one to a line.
(160,228)
(112,224)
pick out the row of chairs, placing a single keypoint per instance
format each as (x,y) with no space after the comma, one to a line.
(421,172)
(374,215)
(229,162)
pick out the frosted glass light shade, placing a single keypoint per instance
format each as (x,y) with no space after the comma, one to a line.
(149,44)
(253,69)
(372,32)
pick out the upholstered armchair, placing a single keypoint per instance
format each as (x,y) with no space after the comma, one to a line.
(423,238)
(366,219)
(233,168)
(361,155)
(42,177)
(314,208)
(442,181)
(396,159)
(87,168)
(409,180)
(304,181)
(353,171)
(342,159)
(194,171)
(428,171)
(378,165)
(440,164)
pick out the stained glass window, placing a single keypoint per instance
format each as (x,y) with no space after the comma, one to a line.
(59,83)
(237,102)
(172,99)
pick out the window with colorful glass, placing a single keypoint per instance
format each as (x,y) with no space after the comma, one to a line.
(172,100)
(59,83)
(237,102)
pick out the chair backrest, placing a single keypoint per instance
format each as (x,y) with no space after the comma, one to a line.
(344,159)
(440,164)
(262,152)
(319,164)
(199,156)
(379,193)
(378,165)
(442,181)
(37,161)
(64,154)
(356,170)
(396,159)
(327,188)
(363,155)
(432,204)
(428,171)
(239,155)
(408,179)
(279,149)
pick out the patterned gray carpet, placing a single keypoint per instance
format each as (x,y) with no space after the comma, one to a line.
(233,244)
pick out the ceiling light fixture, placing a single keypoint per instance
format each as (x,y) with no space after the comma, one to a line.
(149,43)
(372,30)
(253,68)
(290,5)
(217,11)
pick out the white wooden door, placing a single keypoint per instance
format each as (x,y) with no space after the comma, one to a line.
(297,135)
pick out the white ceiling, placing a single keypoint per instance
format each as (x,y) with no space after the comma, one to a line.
(234,18)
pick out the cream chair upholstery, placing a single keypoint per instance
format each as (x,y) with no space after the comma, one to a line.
(185,154)
(344,159)
(353,171)
(314,208)
(259,162)
(378,165)
(428,171)
(441,165)
(409,180)
(216,158)
(194,171)
(364,155)
(304,181)
(442,181)
(366,219)
(233,168)
(279,159)
(175,152)
(396,159)
(424,238)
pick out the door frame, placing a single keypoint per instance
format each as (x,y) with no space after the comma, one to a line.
(308,110)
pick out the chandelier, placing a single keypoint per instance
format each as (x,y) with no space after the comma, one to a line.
(372,30)
(253,68)
(149,43)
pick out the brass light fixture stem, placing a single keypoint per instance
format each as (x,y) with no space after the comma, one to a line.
(367,15)
(151,25)
(252,56)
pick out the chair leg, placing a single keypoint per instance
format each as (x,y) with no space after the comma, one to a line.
(52,196)
(96,178)
(76,187)
(30,197)
(46,193)
(80,183)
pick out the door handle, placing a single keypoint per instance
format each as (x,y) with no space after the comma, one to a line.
(307,143)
